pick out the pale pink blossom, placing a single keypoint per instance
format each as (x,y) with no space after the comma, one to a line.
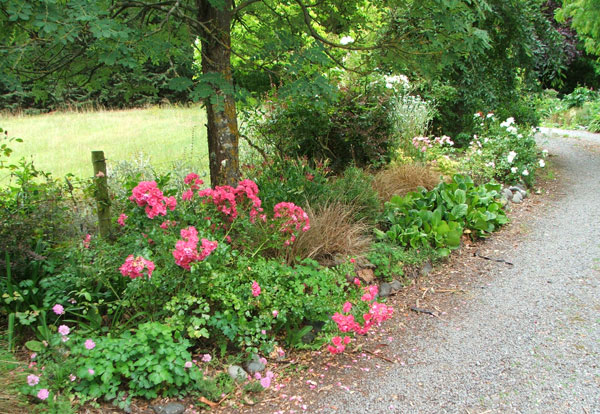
(64,330)
(58,309)
(89,344)
(43,394)
(33,380)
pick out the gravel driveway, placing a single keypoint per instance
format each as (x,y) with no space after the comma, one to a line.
(529,341)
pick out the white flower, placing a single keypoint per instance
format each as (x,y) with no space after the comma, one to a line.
(490,115)
(544,153)
(542,163)
(346,40)
(508,122)
(491,164)
(525,172)
(513,170)
(511,129)
(511,156)
(389,85)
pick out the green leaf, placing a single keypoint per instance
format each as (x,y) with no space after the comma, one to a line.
(459,210)
(35,346)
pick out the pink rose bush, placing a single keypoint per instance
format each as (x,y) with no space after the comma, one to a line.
(186,250)
(376,315)
(147,194)
(134,267)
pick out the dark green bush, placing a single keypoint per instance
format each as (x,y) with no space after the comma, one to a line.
(354,126)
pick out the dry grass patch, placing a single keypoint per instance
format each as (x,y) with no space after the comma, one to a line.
(333,234)
(12,377)
(402,179)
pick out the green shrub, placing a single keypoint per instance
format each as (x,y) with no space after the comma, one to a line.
(149,363)
(358,125)
(293,180)
(390,260)
(354,188)
(580,96)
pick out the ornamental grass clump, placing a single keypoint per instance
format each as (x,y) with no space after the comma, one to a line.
(333,234)
(402,179)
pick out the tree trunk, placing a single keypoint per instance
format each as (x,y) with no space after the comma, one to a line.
(222,128)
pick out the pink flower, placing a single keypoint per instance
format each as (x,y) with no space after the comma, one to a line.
(89,344)
(206,358)
(370,293)
(275,313)
(188,364)
(33,380)
(266,380)
(339,344)
(255,289)
(346,308)
(43,394)
(91,371)
(187,195)
(353,260)
(33,356)
(147,194)
(86,241)
(72,377)
(63,330)
(186,250)
(121,219)
(356,281)
(294,220)
(58,309)
(133,267)
(168,223)
(193,180)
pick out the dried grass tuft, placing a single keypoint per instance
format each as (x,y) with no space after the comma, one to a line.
(402,179)
(333,234)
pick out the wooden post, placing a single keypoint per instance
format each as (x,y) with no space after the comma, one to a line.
(101,193)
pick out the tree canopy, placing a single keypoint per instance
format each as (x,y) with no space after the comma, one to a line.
(65,49)
(584,16)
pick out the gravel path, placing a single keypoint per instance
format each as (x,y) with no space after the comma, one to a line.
(527,343)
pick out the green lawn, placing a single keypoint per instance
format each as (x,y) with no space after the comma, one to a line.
(62,142)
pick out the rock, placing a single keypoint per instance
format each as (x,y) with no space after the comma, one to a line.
(170,408)
(517,198)
(385,289)
(308,338)
(396,285)
(366,275)
(237,373)
(520,189)
(255,365)
(507,194)
(427,267)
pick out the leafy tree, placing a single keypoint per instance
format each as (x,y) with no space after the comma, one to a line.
(585,19)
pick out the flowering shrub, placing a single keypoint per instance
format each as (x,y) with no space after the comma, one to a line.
(376,314)
(502,151)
